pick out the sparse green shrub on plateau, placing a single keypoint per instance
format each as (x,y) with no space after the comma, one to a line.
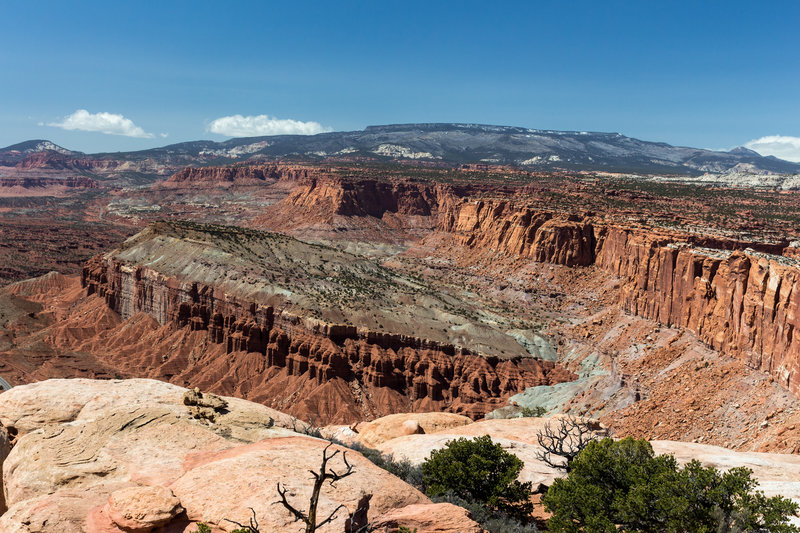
(621,485)
(535,412)
(481,471)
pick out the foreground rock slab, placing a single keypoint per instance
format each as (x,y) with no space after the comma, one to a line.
(111,456)
(225,485)
(428,518)
(392,426)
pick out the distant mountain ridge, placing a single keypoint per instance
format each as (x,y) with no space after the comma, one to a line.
(453,143)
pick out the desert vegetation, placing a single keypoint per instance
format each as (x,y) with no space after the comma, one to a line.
(623,486)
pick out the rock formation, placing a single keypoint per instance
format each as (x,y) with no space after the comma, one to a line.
(741,303)
(522,231)
(377,431)
(236,175)
(113,456)
(372,372)
(337,196)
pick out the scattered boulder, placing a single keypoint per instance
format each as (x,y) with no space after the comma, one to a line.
(140,509)
(373,433)
(428,518)
(204,406)
(412,427)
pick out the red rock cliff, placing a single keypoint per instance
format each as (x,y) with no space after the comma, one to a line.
(371,373)
(336,196)
(236,175)
(500,226)
(742,303)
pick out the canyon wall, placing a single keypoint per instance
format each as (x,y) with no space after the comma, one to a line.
(743,303)
(391,373)
(237,175)
(740,301)
(500,226)
(337,196)
(739,298)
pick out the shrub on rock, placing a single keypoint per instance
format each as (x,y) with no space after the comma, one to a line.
(622,486)
(479,470)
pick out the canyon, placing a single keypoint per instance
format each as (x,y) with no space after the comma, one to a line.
(390,368)
(345,293)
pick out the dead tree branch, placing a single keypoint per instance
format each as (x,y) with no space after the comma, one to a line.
(252,528)
(565,440)
(325,474)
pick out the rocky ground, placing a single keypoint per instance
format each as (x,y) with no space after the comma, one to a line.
(141,455)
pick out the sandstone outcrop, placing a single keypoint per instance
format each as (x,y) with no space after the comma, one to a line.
(246,476)
(336,207)
(110,456)
(5,449)
(389,427)
(428,518)
(743,303)
(337,196)
(521,231)
(237,175)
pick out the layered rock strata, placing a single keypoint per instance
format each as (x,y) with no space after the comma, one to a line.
(393,372)
(237,175)
(337,196)
(741,301)
(744,303)
(523,231)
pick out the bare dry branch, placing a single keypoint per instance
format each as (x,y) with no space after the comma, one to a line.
(253,527)
(298,515)
(563,441)
(320,477)
(331,516)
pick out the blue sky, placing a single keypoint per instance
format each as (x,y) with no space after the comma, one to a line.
(706,74)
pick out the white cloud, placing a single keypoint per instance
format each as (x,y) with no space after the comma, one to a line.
(108,123)
(257,125)
(781,146)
